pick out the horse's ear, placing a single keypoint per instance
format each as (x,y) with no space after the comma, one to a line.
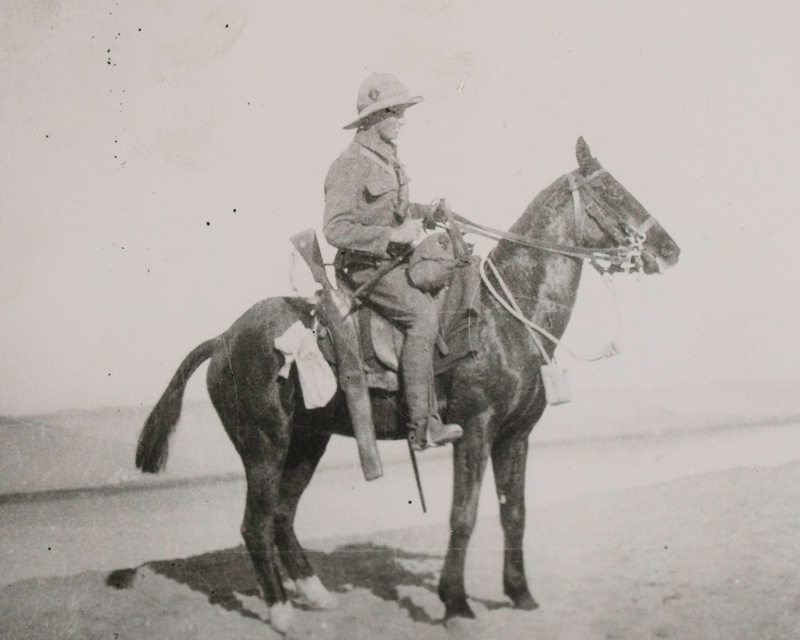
(583,154)
(586,162)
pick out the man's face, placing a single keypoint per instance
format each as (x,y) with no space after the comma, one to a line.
(389,127)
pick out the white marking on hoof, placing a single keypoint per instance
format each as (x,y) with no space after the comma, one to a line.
(289,585)
(466,628)
(280,616)
(315,594)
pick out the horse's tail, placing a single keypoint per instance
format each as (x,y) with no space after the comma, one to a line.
(151,454)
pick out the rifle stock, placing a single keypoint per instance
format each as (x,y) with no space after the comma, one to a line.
(308,247)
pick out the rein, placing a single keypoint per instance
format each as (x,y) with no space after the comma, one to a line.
(627,257)
(609,349)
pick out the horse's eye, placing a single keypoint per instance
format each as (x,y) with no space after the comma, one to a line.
(615,193)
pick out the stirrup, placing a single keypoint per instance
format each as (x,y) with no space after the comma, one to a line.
(432,433)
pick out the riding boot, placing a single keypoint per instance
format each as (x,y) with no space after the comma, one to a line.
(426,428)
(431,432)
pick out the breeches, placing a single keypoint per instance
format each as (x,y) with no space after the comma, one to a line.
(416,314)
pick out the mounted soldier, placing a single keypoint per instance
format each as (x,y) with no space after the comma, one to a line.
(492,378)
(369,218)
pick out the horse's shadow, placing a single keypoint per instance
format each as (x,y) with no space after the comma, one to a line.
(225,576)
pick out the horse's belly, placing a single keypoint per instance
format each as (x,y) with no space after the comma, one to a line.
(386,415)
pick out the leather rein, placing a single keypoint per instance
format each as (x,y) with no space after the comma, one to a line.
(627,256)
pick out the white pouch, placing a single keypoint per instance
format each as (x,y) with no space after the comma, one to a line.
(556,384)
(317,381)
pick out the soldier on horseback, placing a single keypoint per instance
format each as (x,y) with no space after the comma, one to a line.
(369,218)
(498,393)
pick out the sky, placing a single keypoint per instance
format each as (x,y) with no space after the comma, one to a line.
(155,158)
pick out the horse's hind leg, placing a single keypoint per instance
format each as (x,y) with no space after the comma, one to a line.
(304,454)
(259,427)
(258,530)
(509,457)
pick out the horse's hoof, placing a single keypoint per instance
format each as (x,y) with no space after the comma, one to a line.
(314,593)
(465,628)
(524,601)
(460,610)
(289,585)
(280,616)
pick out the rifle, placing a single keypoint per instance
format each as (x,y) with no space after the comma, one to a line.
(343,333)
(308,247)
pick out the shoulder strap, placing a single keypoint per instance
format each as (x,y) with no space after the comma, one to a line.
(368,153)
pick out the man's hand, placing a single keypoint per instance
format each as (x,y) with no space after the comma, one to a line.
(435,212)
(440,208)
(410,230)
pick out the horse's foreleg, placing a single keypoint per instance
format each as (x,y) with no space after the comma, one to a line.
(469,463)
(509,458)
(301,461)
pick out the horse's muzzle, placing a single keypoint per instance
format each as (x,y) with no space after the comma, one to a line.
(652,263)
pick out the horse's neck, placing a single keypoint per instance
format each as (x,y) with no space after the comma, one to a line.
(544,284)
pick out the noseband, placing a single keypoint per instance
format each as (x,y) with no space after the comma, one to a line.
(630,238)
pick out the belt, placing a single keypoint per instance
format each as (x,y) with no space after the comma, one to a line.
(349,261)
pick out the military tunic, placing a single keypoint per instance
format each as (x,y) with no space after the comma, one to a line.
(366,196)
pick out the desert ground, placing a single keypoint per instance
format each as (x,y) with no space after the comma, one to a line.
(688,533)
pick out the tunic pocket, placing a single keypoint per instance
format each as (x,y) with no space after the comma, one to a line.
(379,184)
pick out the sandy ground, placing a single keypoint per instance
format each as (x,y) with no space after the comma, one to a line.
(629,538)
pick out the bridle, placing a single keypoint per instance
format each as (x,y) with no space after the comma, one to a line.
(627,256)
(630,239)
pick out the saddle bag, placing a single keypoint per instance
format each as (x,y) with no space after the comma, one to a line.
(432,263)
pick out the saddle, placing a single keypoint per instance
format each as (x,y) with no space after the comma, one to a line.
(363,347)
(380,341)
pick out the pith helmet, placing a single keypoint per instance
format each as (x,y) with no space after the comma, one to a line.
(381,91)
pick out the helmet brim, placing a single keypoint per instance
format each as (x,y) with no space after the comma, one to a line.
(380,106)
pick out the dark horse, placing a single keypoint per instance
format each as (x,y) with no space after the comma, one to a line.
(497,395)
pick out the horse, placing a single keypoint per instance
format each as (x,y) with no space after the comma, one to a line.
(497,394)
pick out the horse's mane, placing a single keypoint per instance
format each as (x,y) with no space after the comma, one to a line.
(545,205)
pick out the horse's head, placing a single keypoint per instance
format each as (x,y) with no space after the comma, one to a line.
(614,217)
